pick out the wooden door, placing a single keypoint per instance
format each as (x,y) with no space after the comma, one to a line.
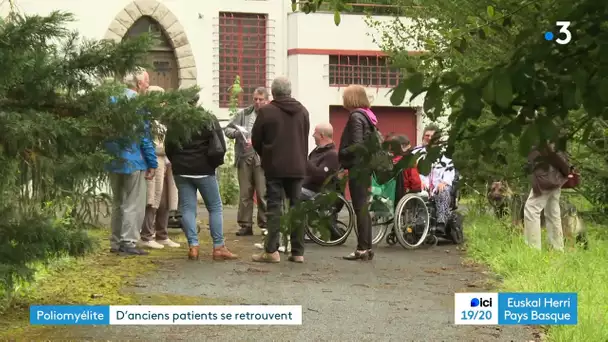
(161,57)
(164,69)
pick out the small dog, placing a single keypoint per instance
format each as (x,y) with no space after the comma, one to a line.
(504,201)
(285,242)
(572,225)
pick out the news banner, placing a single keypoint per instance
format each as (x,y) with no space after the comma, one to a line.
(469,309)
(518,308)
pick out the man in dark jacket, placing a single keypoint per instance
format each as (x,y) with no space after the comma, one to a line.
(322,163)
(280,137)
(549,172)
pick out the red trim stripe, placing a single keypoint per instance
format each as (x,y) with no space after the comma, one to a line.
(370,53)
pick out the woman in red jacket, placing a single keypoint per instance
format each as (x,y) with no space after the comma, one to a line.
(411,177)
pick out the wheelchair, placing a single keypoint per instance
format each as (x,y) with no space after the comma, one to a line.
(338,219)
(175,221)
(411,222)
(415,222)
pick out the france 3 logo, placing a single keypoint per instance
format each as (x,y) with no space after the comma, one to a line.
(476,308)
(564,32)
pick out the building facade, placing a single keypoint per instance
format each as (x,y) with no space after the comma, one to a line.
(209,42)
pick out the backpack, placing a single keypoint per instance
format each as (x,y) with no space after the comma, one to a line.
(381,160)
(217,145)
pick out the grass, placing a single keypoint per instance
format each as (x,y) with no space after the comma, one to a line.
(523,269)
(98,279)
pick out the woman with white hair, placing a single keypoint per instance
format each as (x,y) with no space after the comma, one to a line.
(161,195)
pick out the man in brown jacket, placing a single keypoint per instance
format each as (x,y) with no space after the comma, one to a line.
(549,172)
(280,138)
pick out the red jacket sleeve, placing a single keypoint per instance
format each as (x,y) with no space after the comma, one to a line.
(411,180)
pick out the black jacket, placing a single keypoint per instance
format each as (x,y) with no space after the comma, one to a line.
(280,138)
(192,159)
(322,163)
(357,129)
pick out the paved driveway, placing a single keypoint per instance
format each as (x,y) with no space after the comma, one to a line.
(399,296)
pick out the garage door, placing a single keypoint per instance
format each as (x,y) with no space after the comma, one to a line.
(397,120)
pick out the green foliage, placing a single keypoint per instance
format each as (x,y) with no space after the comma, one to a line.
(56,116)
(524,269)
(506,87)
(229,187)
(35,238)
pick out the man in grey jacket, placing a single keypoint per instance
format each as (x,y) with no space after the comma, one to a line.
(250,173)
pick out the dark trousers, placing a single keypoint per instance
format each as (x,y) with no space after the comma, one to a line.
(275,187)
(359,194)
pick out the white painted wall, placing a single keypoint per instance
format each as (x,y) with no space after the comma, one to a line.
(200,22)
(310,73)
(287,30)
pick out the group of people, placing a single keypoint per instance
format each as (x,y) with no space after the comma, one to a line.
(152,177)
(272,159)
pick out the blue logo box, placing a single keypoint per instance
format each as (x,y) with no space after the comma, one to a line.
(69,315)
(558,308)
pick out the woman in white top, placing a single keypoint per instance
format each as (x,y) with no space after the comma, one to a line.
(161,195)
(438,183)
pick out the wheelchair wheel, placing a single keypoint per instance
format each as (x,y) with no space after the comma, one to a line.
(432,240)
(454,228)
(380,225)
(391,238)
(343,227)
(412,221)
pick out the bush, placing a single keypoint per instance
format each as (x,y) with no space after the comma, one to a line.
(227,177)
(56,117)
(228,180)
(526,270)
(35,238)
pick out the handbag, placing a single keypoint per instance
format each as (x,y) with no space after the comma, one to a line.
(574,179)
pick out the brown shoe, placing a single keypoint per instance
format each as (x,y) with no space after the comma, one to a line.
(296,258)
(193,253)
(271,258)
(222,253)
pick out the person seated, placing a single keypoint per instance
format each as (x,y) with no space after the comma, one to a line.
(322,163)
(438,183)
(411,177)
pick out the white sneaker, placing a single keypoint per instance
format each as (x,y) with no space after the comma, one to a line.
(151,244)
(282,249)
(168,243)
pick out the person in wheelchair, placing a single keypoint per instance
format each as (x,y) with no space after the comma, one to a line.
(322,163)
(410,181)
(439,182)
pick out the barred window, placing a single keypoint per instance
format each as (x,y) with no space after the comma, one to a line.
(372,71)
(242,52)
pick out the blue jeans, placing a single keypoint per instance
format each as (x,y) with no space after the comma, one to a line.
(210,192)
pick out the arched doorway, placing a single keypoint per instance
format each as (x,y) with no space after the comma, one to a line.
(161,57)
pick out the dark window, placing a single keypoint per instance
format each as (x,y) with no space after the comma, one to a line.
(148,25)
(372,71)
(242,52)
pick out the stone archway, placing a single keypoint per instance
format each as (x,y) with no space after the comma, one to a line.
(168,21)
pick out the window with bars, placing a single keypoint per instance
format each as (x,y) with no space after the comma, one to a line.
(372,71)
(242,52)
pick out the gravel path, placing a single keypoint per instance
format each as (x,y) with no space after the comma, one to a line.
(399,296)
